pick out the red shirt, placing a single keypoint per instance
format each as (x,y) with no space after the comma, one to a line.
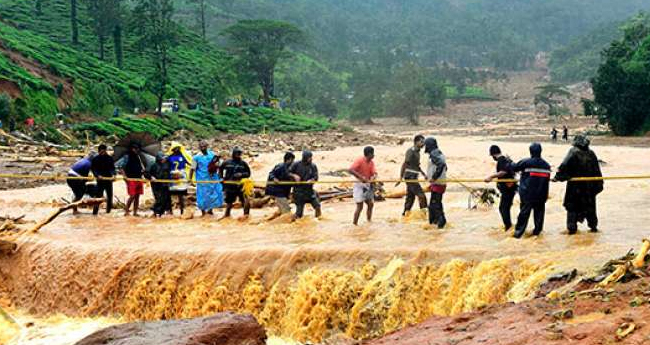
(364,168)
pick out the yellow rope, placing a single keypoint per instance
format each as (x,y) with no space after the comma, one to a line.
(249,181)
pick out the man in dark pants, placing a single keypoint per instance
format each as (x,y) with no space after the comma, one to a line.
(411,170)
(437,173)
(233,171)
(533,190)
(305,171)
(103,168)
(580,197)
(507,189)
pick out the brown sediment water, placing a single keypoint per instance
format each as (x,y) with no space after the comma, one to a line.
(312,279)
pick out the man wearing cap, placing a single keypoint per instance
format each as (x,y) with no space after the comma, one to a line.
(363,191)
(507,189)
(533,190)
(305,172)
(233,171)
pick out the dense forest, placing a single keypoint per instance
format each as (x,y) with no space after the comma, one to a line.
(84,58)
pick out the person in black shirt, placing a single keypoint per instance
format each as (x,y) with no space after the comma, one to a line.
(233,171)
(162,199)
(281,192)
(507,189)
(103,168)
(305,171)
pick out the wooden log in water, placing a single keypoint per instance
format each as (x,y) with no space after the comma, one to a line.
(51,217)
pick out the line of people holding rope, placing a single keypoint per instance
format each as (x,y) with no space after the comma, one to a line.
(229,182)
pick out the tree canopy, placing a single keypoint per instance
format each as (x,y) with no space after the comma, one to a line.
(260,45)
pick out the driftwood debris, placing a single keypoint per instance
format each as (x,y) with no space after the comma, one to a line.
(7,247)
(632,267)
(82,203)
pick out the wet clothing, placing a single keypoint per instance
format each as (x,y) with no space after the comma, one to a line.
(80,168)
(539,209)
(364,168)
(505,205)
(281,173)
(103,166)
(436,171)
(305,193)
(580,197)
(508,190)
(436,210)
(133,165)
(162,198)
(533,189)
(134,188)
(178,165)
(412,172)
(229,169)
(363,192)
(208,195)
(306,172)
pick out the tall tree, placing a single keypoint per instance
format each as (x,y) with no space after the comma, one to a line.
(102,13)
(157,33)
(118,45)
(260,44)
(39,6)
(74,22)
(201,8)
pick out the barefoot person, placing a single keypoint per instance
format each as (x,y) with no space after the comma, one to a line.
(281,192)
(76,174)
(209,195)
(132,167)
(233,171)
(363,191)
(411,171)
(508,190)
(580,197)
(305,171)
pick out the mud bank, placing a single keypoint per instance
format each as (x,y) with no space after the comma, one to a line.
(582,317)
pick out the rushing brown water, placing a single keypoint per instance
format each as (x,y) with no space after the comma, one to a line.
(315,278)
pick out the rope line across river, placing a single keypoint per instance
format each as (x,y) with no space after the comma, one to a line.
(449,180)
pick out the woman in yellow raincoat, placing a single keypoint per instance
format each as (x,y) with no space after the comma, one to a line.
(180,163)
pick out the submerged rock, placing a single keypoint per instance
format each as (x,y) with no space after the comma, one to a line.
(223,329)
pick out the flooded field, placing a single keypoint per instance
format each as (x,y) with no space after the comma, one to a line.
(315,278)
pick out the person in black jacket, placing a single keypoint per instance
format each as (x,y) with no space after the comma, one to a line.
(233,171)
(305,171)
(160,171)
(533,190)
(103,168)
(281,192)
(508,190)
(580,197)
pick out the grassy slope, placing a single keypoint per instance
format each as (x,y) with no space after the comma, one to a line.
(194,62)
(44,42)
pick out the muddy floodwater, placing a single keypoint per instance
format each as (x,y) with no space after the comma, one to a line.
(315,278)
